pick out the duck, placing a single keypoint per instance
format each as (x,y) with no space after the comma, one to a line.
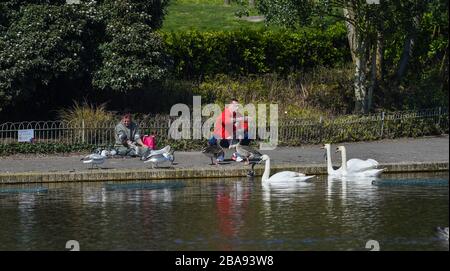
(213,152)
(280,177)
(246,152)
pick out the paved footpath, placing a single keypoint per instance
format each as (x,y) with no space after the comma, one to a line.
(397,151)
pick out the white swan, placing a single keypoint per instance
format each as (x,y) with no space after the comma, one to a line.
(366,169)
(330,170)
(284,176)
(358,167)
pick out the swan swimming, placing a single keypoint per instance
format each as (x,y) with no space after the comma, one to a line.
(284,176)
(353,167)
(358,167)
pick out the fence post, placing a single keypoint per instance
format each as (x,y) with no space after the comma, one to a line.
(382,125)
(82,131)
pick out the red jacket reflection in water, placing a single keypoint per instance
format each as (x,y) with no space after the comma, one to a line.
(231,207)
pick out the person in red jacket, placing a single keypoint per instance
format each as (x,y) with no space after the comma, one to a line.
(229,128)
(227,124)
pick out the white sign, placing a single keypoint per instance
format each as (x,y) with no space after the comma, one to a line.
(26,135)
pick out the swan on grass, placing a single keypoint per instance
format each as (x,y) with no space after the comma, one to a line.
(284,176)
(353,167)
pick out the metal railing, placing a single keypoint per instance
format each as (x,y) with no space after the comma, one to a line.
(368,127)
(292,131)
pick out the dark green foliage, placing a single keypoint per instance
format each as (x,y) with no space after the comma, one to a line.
(196,54)
(52,53)
(43,148)
(45,50)
(290,13)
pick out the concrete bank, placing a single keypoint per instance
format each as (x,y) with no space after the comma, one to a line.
(193,173)
(397,156)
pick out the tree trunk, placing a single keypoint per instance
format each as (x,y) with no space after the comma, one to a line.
(351,33)
(380,57)
(360,78)
(373,77)
(408,48)
(358,48)
(406,54)
(226,2)
(376,70)
(251,3)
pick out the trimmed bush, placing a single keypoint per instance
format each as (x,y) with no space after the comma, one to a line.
(43,148)
(196,54)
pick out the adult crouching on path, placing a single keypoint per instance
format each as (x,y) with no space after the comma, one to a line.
(228,123)
(128,138)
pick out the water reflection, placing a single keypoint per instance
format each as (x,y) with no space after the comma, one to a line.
(94,195)
(284,191)
(358,186)
(231,203)
(243,214)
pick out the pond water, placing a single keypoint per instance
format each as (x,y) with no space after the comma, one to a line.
(227,214)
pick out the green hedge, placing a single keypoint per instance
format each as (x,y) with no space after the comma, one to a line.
(43,148)
(195,54)
(353,129)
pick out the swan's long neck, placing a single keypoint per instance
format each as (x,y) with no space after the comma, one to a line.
(266,174)
(344,159)
(329,164)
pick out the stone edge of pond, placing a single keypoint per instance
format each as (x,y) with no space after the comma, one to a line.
(192,173)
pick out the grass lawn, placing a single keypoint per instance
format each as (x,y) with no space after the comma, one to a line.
(205,15)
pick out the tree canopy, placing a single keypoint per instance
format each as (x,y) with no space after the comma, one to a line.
(56,51)
(383,37)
